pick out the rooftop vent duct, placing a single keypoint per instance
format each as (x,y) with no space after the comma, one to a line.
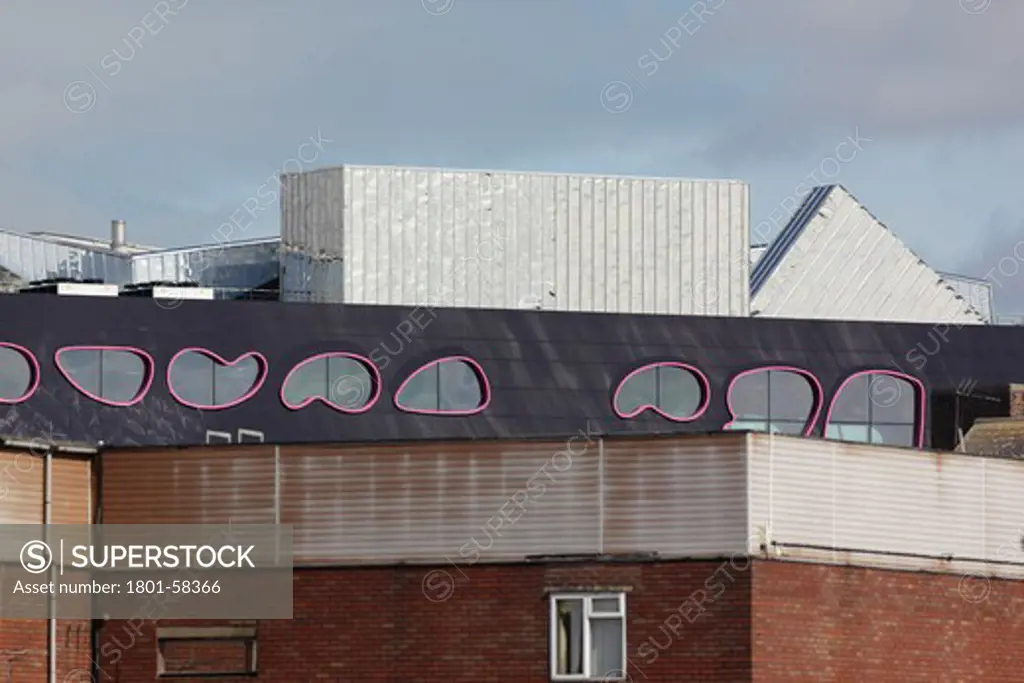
(177,291)
(118,235)
(70,287)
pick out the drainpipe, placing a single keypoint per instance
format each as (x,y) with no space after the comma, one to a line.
(51,630)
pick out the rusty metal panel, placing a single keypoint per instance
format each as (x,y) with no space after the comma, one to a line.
(429,502)
(682,497)
(194,486)
(72,490)
(22,481)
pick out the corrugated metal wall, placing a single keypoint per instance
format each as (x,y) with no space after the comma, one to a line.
(978,293)
(834,260)
(31,258)
(22,480)
(428,502)
(511,240)
(887,500)
(231,266)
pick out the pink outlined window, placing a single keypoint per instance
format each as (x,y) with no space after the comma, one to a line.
(453,385)
(19,373)
(676,391)
(112,375)
(199,378)
(878,407)
(346,382)
(780,399)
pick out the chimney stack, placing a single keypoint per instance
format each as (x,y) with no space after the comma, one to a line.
(117,235)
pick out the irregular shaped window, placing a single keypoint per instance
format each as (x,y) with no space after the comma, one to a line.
(676,391)
(775,399)
(343,381)
(878,407)
(199,378)
(19,373)
(448,386)
(112,375)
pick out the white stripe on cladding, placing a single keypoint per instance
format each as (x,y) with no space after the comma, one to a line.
(886,499)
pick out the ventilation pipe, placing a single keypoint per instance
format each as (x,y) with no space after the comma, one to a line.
(117,235)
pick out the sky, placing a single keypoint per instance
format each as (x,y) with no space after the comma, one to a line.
(171,114)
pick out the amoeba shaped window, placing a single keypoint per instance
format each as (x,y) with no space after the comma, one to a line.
(345,382)
(19,373)
(879,407)
(112,375)
(199,378)
(676,391)
(776,399)
(455,385)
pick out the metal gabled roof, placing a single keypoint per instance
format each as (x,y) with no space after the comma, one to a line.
(835,260)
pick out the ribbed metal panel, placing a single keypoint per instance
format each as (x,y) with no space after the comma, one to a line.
(894,503)
(976,292)
(231,266)
(72,487)
(685,497)
(28,258)
(510,240)
(427,502)
(304,278)
(837,261)
(22,478)
(195,486)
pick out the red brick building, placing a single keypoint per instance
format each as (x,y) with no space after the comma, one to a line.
(730,557)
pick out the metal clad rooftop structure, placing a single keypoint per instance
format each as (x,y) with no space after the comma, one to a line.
(239,265)
(493,239)
(835,260)
(28,258)
(976,291)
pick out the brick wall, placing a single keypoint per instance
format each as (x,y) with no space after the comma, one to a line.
(699,621)
(379,625)
(23,651)
(821,623)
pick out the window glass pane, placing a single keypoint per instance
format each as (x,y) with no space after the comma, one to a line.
(606,605)
(460,386)
(792,396)
(793,428)
(420,392)
(191,376)
(893,435)
(350,382)
(851,405)
(606,646)
(849,432)
(308,381)
(15,373)
(892,399)
(749,396)
(124,374)
(232,382)
(83,367)
(748,426)
(679,391)
(637,391)
(569,637)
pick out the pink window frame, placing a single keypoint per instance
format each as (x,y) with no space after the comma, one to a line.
(143,390)
(33,364)
(702,378)
(816,388)
(485,385)
(366,362)
(919,399)
(257,385)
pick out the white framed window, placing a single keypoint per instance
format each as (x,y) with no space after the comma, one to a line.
(588,636)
